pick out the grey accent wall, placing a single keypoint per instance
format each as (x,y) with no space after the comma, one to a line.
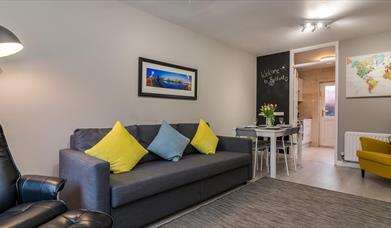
(362,114)
(79,68)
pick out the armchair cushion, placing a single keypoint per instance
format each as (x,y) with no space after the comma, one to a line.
(80,218)
(33,188)
(369,144)
(381,158)
(31,214)
(9,174)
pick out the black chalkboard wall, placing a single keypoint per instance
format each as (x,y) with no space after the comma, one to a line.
(273,83)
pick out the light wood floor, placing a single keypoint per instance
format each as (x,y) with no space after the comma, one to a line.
(318,170)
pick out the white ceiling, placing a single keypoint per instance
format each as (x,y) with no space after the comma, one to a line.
(269,26)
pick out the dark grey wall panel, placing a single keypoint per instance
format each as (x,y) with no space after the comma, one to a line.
(273,83)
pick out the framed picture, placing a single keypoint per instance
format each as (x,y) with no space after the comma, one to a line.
(368,75)
(165,80)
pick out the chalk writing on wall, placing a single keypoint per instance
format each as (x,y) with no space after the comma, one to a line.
(272,76)
(273,83)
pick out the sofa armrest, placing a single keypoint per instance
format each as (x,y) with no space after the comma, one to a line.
(235,144)
(369,144)
(88,181)
(33,188)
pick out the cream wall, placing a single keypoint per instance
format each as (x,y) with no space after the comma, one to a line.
(79,69)
(309,108)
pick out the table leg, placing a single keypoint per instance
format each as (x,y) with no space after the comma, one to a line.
(273,153)
(299,149)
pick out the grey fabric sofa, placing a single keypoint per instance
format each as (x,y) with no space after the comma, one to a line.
(155,188)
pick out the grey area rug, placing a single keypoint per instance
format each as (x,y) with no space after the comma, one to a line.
(275,203)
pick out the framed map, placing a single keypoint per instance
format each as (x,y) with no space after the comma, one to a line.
(368,75)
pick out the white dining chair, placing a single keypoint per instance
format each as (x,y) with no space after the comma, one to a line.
(283,144)
(259,145)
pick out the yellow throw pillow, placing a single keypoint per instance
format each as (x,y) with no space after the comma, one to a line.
(119,148)
(205,140)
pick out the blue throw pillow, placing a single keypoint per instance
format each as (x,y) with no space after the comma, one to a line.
(168,143)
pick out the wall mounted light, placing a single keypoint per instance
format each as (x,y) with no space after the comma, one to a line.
(315,25)
(9,42)
(327,58)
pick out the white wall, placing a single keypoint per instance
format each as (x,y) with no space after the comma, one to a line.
(79,69)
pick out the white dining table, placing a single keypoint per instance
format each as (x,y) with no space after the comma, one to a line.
(273,134)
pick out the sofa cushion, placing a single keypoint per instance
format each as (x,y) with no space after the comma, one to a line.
(31,214)
(146,133)
(168,143)
(188,130)
(158,176)
(205,140)
(84,139)
(119,148)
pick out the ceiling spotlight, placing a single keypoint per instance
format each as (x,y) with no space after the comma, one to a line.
(313,28)
(315,25)
(308,27)
(319,25)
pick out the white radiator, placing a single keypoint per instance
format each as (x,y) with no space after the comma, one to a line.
(352,142)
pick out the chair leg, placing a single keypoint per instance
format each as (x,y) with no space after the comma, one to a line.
(286,162)
(262,151)
(256,154)
(362,173)
(285,156)
(294,152)
(294,160)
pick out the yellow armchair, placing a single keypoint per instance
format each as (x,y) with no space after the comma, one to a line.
(375,157)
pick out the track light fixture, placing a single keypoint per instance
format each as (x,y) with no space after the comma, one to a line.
(315,25)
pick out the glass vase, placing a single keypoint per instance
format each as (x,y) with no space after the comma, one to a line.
(270,121)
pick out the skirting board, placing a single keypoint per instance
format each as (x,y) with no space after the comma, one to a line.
(348,164)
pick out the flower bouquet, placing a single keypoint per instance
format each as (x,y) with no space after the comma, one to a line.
(268,112)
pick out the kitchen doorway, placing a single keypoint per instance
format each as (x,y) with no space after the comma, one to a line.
(314,100)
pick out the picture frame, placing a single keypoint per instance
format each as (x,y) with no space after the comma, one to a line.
(368,75)
(165,80)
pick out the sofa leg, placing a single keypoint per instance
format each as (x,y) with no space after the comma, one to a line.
(362,173)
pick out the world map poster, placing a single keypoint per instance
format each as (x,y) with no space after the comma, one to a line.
(368,75)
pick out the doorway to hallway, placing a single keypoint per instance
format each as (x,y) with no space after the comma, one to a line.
(327,123)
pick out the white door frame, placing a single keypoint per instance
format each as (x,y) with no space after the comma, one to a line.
(292,103)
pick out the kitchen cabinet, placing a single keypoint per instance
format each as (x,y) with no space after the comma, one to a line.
(307,131)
